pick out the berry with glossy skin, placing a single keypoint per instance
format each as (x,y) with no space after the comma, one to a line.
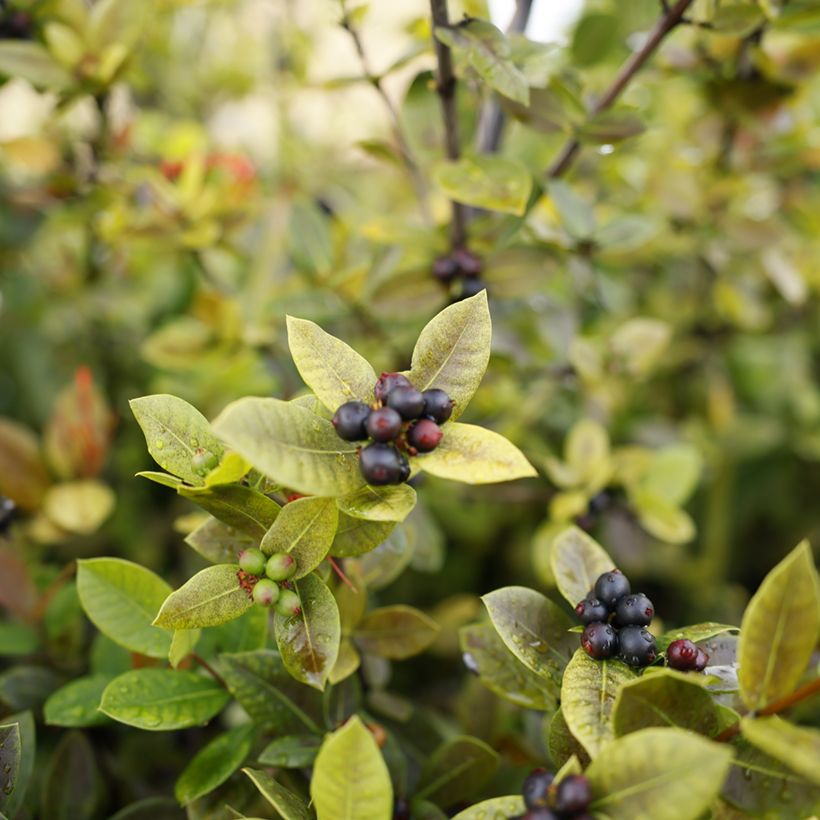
(682,655)
(540,814)
(252,561)
(438,406)
(350,419)
(634,610)
(424,435)
(610,587)
(572,795)
(280,566)
(383,464)
(702,661)
(590,610)
(469,263)
(445,268)
(383,424)
(388,382)
(470,287)
(407,402)
(535,790)
(600,641)
(203,461)
(8,511)
(265,592)
(288,604)
(637,646)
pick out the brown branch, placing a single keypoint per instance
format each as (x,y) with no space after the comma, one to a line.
(628,70)
(446,88)
(209,669)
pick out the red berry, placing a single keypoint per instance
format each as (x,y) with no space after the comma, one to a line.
(682,655)
(702,661)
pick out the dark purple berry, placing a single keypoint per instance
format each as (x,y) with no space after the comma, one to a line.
(383,424)
(445,268)
(470,287)
(388,382)
(468,263)
(637,646)
(438,406)
(702,661)
(634,610)
(8,511)
(590,610)
(401,809)
(407,401)
(610,587)
(350,419)
(383,464)
(540,814)
(600,641)
(424,435)
(535,790)
(572,795)
(682,655)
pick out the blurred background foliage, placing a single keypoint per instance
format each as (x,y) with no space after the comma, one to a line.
(177,175)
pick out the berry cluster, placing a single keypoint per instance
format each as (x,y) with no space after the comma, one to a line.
(266,591)
(402,419)
(546,800)
(460,264)
(616,622)
(686,657)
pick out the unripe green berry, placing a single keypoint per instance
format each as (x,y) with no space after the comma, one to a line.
(252,561)
(280,566)
(288,604)
(203,461)
(265,592)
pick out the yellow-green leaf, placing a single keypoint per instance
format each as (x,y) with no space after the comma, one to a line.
(77,703)
(392,503)
(576,561)
(490,182)
(456,770)
(288,805)
(79,506)
(796,746)
(240,507)
(496,808)
(396,632)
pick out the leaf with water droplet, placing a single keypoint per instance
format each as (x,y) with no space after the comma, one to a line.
(77,703)
(10,753)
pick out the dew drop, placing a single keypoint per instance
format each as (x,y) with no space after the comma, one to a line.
(470,662)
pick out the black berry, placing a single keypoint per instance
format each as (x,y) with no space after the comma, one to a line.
(407,401)
(590,610)
(702,661)
(572,795)
(350,419)
(383,424)
(468,263)
(610,587)
(682,655)
(438,406)
(401,809)
(637,646)
(383,464)
(600,641)
(445,268)
(387,382)
(634,610)
(535,790)
(424,435)
(8,511)
(471,286)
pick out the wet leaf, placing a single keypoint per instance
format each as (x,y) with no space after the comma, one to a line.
(796,746)
(77,703)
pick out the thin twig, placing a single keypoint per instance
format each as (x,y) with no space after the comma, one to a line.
(446,88)
(628,70)
(209,669)
(405,152)
(340,572)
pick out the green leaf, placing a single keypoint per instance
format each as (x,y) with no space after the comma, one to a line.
(576,561)
(331,369)
(490,182)
(162,699)
(305,529)
(356,536)
(77,703)
(291,445)
(288,805)
(25,766)
(239,507)
(231,468)
(499,670)
(588,694)
(453,350)
(121,599)
(664,698)
(393,503)
(381,566)
(456,770)
(174,431)
(350,779)
(576,214)
(796,746)
(475,455)
(267,692)
(309,642)
(212,597)
(673,473)
(695,633)
(79,506)
(73,788)
(665,774)
(32,62)
(587,454)
(396,632)
(496,808)
(291,751)
(662,519)
(534,629)
(611,126)
(562,745)
(17,639)
(219,543)
(165,479)
(214,764)
(182,644)
(151,808)
(10,754)
(779,630)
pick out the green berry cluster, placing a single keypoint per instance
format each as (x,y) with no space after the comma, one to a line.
(264,576)
(616,621)
(547,800)
(402,420)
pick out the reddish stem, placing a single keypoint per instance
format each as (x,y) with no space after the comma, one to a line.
(342,577)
